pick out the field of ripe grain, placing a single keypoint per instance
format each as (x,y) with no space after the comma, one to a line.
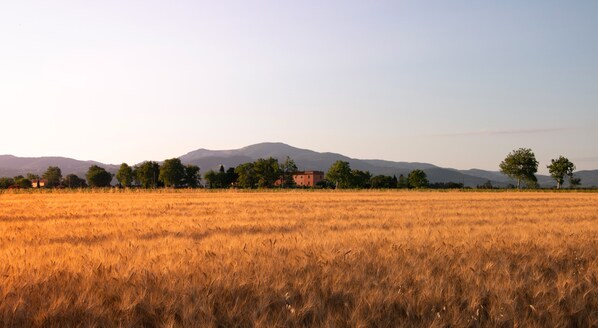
(336,259)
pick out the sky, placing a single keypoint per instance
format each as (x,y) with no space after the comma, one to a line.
(454,83)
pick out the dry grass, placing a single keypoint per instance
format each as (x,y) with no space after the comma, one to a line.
(371,259)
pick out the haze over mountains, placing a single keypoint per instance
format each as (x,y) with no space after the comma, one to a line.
(304,158)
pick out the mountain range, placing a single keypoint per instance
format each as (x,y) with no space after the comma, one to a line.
(304,158)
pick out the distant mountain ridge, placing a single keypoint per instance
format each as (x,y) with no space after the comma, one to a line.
(310,160)
(11,166)
(304,158)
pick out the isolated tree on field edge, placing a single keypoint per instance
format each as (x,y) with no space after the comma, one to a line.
(559,168)
(520,164)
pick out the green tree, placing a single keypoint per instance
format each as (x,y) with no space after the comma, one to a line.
(124,176)
(52,176)
(73,181)
(192,176)
(575,182)
(231,177)
(172,172)
(266,171)
(520,164)
(339,173)
(382,182)
(402,182)
(98,177)
(559,168)
(211,178)
(360,179)
(221,177)
(22,182)
(287,169)
(247,177)
(6,182)
(147,174)
(417,179)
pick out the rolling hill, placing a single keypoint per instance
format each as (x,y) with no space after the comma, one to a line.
(12,166)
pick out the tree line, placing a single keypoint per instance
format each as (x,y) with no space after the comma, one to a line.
(521,165)
(262,173)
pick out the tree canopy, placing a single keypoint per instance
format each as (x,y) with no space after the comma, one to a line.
(192,177)
(53,175)
(98,177)
(246,176)
(147,173)
(559,168)
(125,175)
(340,174)
(521,165)
(267,172)
(417,179)
(287,169)
(172,172)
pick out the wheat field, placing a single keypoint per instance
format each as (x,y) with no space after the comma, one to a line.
(291,259)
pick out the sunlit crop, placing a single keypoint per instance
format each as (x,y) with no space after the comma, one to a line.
(342,259)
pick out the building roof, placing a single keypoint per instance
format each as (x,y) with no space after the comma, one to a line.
(307,172)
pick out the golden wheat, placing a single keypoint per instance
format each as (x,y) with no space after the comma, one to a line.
(367,259)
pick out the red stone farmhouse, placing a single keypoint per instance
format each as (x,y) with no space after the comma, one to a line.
(306,178)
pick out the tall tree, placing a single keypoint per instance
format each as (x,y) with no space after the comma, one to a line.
(520,164)
(221,177)
(267,171)
(147,174)
(559,168)
(246,175)
(172,172)
(231,177)
(125,175)
(340,174)
(52,176)
(417,179)
(402,182)
(192,176)
(98,177)
(287,169)
(211,178)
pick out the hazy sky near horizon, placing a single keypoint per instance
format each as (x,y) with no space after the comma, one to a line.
(455,83)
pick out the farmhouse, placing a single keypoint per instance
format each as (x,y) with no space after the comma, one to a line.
(38,183)
(308,178)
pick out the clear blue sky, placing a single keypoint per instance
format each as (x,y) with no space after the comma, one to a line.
(454,83)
